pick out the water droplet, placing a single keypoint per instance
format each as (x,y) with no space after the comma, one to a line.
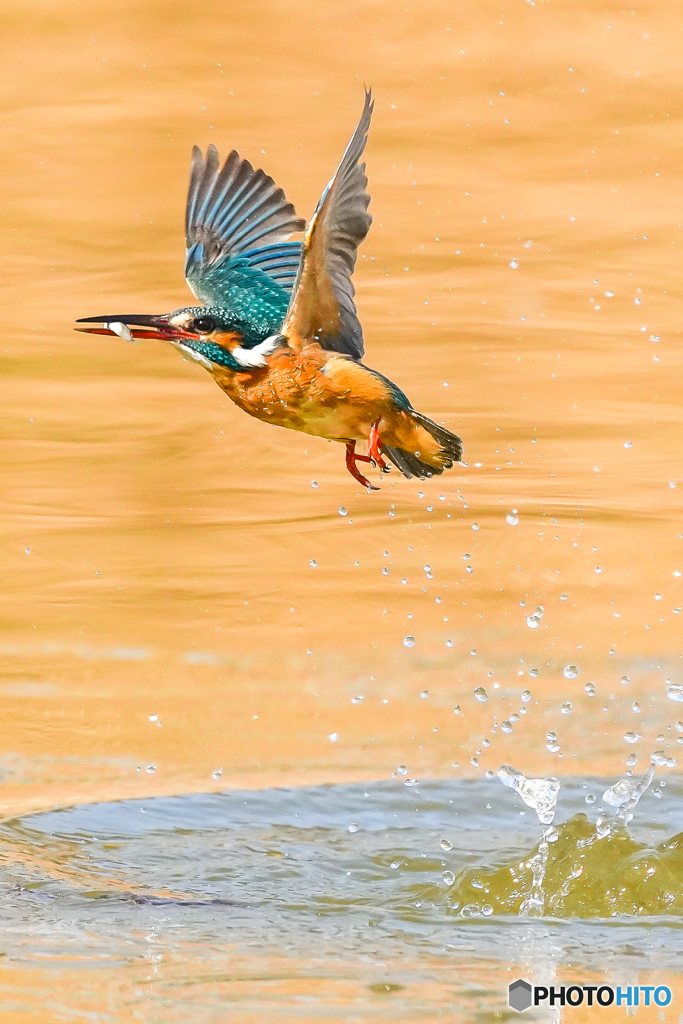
(506,726)
(448,876)
(658,757)
(424,694)
(514,263)
(481,694)
(342,510)
(217,774)
(564,597)
(474,762)
(357,699)
(674,691)
(153,718)
(526,695)
(385,571)
(590,689)
(602,827)
(457,709)
(475,526)
(589,798)
(679,726)
(412,782)
(533,672)
(625,679)
(628,444)
(566,707)
(571,671)
(635,707)
(466,558)
(658,597)
(333,737)
(402,770)
(395,864)
(313,564)
(314,483)
(551,835)
(150,769)
(632,737)
(631,760)
(446,845)
(533,621)
(353,827)
(487,910)
(409,641)
(427,568)
(512,518)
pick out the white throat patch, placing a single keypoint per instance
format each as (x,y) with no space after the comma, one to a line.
(252,357)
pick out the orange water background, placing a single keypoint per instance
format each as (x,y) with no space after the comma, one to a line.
(156,542)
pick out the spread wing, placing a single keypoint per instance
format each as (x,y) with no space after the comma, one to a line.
(237,226)
(322,307)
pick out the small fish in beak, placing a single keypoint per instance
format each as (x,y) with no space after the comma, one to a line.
(123,332)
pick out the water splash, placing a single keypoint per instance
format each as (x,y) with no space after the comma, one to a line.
(533,904)
(539,794)
(625,794)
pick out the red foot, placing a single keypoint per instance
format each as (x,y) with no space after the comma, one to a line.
(351,459)
(375,447)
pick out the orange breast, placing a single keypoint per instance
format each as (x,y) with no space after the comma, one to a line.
(311,390)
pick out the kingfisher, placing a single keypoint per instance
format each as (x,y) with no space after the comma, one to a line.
(277,327)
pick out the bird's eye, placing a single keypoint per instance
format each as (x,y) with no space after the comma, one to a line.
(204,325)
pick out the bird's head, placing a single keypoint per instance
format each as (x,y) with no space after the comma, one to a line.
(214,337)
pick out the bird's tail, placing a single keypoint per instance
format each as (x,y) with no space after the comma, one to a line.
(427,459)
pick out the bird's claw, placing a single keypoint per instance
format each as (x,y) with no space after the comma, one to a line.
(375,448)
(351,459)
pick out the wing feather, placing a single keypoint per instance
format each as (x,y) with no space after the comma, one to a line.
(237,226)
(322,306)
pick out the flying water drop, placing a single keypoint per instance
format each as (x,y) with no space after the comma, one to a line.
(674,691)
(534,621)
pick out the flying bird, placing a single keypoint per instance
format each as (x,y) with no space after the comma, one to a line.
(277,327)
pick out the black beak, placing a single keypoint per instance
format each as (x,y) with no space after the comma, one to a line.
(134,325)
